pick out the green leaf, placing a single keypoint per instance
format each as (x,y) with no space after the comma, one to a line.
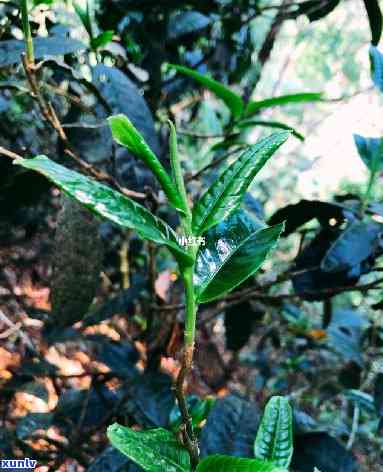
(234,250)
(362,399)
(274,441)
(370,151)
(218,463)
(225,195)
(127,135)
(271,124)
(375,19)
(108,203)
(155,450)
(254,107)
(376,62)
(233,101)
(85,17)
(102,39)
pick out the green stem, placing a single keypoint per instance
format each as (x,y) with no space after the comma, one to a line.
(191,308)
(370,186)
(27,32)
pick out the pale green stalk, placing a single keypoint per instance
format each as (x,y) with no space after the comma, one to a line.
(27,32)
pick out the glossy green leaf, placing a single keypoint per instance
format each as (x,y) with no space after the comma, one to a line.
(375,19)
(127,135)
(274,441)
(255,106)
(371,151)
(271,124)
(155,450)
(376,62)
(85,16)
(218,463)
(233,101)
(108,203)
(225,195)
(234,250)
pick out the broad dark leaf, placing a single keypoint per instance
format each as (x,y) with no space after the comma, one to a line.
(219,463)
(112,460)
(11,50)
(230,428)
(313,283)
(122,303)
(234,250)
(36,389)
(274,441)
(375,19)
(155,450)
(151,399)
(304,211)
(226,194)
(371,151)
(255,107)
(186,22)
(345,334)
(128,136)
(233,101)
(376,61)
(239,321)
(316,10)
(108,203)
(33,422)
(355,244)
(322,451)
(123,96)
(120,357)
(38,367)
(97,402)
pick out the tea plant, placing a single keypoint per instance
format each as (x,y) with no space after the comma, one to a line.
(157,450)
(235,246)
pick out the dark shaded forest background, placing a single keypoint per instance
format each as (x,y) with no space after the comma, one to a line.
(91,317)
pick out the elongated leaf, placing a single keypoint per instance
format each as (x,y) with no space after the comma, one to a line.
(127,135)
(108,203)
(225,195)
(255,107)
(274,441)
(220,463)
(102,39)
(235,249)
(370,151)
(233,101)
(155,450)
(375,19)
(376,62)
(271,124)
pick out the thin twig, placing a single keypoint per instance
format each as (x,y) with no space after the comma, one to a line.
(212,164)
(51,117)
(354,428)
